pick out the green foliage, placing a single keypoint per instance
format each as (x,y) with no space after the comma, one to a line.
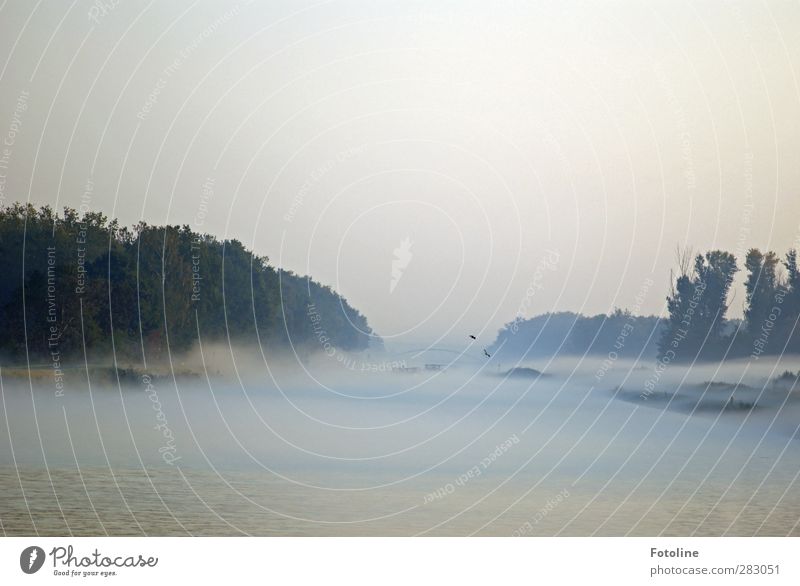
(71,279)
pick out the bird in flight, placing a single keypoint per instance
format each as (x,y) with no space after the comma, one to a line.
(486,353)
(473,337)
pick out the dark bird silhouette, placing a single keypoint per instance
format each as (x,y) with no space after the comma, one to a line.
(487,354)
(473,337)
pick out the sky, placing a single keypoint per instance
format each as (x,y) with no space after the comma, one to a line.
(446,166)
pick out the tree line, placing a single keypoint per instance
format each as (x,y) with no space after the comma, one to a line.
(618,334)
(697,328)
(76,282)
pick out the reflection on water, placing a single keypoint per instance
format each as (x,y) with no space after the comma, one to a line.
(458,454)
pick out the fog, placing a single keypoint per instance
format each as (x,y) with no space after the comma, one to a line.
(447,167)
(333,444)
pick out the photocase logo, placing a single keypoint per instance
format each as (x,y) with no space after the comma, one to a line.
(31,559)
(402,256)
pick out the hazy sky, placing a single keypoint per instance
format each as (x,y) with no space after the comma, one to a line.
(508,157)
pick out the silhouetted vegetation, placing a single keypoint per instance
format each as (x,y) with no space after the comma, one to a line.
(697,304)
(697,328)
(75,281)
(620,334)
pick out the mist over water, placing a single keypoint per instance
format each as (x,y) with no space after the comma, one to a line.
(399,268)
(331,445)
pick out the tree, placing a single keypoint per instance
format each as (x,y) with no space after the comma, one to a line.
(697,304)
(90,280)
(789,325)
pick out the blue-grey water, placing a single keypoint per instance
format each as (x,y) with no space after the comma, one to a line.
(335,451)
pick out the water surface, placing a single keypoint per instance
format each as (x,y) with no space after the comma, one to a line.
(460,452)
